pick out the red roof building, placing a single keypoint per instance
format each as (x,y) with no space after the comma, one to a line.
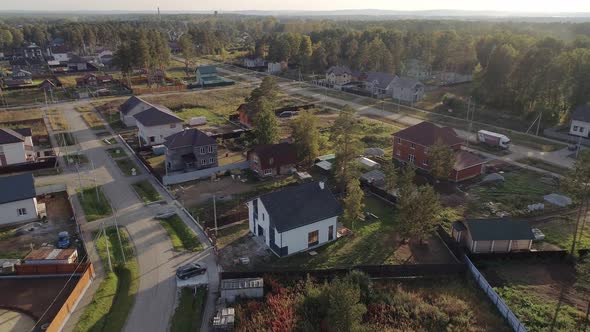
(272,159)
(410,146)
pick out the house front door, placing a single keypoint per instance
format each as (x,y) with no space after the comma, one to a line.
(260,231)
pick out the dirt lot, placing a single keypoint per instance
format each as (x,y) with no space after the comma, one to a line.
(198,192)
(16,241)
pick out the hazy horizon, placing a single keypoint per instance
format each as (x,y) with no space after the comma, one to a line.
(523,6)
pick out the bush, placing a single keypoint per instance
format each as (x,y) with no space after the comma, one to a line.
(452,101)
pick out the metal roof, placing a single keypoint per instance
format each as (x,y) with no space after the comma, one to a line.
(21,187)
(499,229)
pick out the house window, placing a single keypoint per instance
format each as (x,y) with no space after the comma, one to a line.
(210,148)
(398,153)
(271,161)
(152,139)
(411,158)
(21,211)
(412,146)
(203,162)
(211,160)
(268,171)
(425,162)
(399,141)
(313,239)
(331,233)
(202,150)
(262,216)
(575,128)
(582,129)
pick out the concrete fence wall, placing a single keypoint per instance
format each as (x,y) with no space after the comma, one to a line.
(203,173)
(50,189)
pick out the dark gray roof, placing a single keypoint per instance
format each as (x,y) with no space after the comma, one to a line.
(499,229)
(339,70)
(582,113)
(156,116)
(131,103)
(188,137)
(300,205)
(406,82)
(383,79)
(74,58)
(8,136)
(21,186)
(24,131)
(207,70)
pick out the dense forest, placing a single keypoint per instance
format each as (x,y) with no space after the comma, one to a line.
(519,66)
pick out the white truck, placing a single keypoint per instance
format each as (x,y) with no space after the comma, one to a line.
(493,139)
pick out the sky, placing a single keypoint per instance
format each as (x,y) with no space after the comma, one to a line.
(229,5)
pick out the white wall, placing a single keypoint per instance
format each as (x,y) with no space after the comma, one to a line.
(61,57)
(580,128)
(296,239)
(128,119)
(9,211)
(159,132)
(14,153)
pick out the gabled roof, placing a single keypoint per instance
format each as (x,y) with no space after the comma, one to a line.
(297,206)
(499,229)
(465,159)
(26,132)
(21,186)
(74,58)
(427,134)
(383,79)
(188,137)
(273,155)
(339,70)
(130,103)
(207,70)
(8,136)
(157,115)
(582,113)
(405,82)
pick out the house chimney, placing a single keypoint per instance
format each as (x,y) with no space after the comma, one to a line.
(322,185)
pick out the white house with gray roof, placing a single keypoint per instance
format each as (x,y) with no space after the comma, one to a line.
(406,89)
(18,203)
(580,125)
(130,107)
(295,218)
(155,124)
(16,146)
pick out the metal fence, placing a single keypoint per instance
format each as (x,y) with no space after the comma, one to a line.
(203,173)
(504,310)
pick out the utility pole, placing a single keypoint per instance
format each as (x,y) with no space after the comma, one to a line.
(80,182)
(94,176)
(215,215)
(539,123)
(119,237)
(106,241)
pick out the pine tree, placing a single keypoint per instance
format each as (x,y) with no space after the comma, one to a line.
(306,136)
(345,139)
(266,128)
(353,202)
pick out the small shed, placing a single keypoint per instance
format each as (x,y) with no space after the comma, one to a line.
(50,255)
(224,320)
(243,287)
(498,235)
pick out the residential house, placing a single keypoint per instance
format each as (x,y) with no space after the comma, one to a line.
(31,51)
(272,159)
(580,125)
(16,146)
(338,75)
(410,146)
(19,203)
(60,54)
(277,67)
(449,77)
(493,235)
(190,149)
(253,62)
(155,124)
(47,85)
(93,80)
(206,75)
(33,65)
(295,218)
(417,69)
(378,84)
(130,108)
(23,75)
(77,63)
(407,89)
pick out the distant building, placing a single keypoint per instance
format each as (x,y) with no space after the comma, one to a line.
(580,125)
(378,84)
(295,218)
(407,89)
(19,204)
(77,63)
(254,62)
(30,51)
(493,235)
(190,149)
(277,67)
(338,75)
(207,76)
(417,69)
(155,124)
(272,159)
(23,75)
(93,80)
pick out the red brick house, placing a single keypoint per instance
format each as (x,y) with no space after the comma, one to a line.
(272,159)
(411,146)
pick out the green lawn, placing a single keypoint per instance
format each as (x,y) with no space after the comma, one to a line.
(146,191)
(543,165)
(230,234)
(212,118)
(95,207)
(560,231)
(182,237)
(116,152)
(126,165)
(65,139)
(187,316)
(115,296)
(76,159)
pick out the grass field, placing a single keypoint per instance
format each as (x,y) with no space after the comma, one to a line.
(126,165)
(212,117)
(109,111)
(94,207)
(93,121)
(146,191)
(116,152)
(57,120)
(560,232)
(21,115)
(115,296)
(221,102)
(182,237)
(187,316)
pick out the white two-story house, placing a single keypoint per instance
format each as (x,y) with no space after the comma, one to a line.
(155,124)
(18,202)
(407,89)
(580,125)
(16,146)
(296,218)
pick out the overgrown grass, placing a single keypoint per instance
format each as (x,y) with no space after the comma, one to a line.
(230,234)
(115,296)
(212,117)
(94,207)
(182,237)
(93,121)
(188,314)
(560,231)
(146,191)
(65,139)
(219,102)
(72,159)
(117,152)
(21,115)
(543,165)
(126,165)
(57,120)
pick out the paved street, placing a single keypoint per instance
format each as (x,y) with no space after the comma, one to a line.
(156,297)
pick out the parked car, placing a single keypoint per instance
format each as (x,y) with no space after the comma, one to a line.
(63,240)
(572,147)
(539,236)
(189,271)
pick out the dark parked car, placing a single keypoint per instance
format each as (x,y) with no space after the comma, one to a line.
(190,270)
